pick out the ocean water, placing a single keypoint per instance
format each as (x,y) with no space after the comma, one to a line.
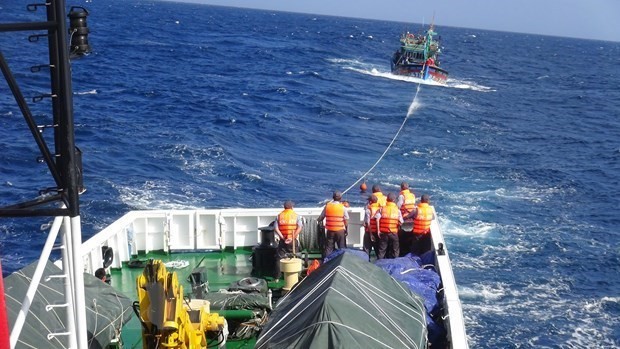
(188,106)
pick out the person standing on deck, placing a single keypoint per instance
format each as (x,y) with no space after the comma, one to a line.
(381,199)
(287,226)
(336,219)
(370,225)
(406,199)
(422,217)
(406,204)
(388,219)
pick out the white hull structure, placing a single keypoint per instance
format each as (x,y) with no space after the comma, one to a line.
(218,229)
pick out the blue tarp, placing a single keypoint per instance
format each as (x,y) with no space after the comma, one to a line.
(358,253)
(424,282)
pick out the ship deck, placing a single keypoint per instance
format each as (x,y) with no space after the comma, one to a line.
(221,241)
(223,268)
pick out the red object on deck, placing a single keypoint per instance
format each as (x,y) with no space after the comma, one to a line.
(4,323)
(313,266)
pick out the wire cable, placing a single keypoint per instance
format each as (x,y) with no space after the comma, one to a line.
(410,111)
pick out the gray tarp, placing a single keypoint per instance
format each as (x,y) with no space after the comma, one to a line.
(106,309)
(347,303)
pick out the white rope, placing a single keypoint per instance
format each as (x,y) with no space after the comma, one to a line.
(110,320)
(409,113)
(96,322)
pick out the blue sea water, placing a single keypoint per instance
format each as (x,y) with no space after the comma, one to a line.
(188,106)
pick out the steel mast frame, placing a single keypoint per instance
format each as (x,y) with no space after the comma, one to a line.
(62,164)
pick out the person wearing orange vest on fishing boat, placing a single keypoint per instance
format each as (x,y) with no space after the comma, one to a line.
(389,220)
(381,199)
(406,204)
(370,226)
(336,218)
(422,217)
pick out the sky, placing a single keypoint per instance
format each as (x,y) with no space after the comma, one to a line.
(587,19)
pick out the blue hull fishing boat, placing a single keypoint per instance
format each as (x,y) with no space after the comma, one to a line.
(418,56)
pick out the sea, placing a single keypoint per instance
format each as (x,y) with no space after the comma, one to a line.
(182,106)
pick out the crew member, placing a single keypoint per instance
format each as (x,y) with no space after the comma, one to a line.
(336,218)
(422,217)
(287,226)
(389,219)
(370,225)
(406,204)
(102,275)
(381,199)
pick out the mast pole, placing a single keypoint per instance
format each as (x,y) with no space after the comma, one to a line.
(65,146)
(63,165)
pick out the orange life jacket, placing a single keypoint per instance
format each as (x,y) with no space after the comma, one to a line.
(409,202)
(334,216)
(381,199)
(389,218)
(374,207)
(287,222)
(422,222)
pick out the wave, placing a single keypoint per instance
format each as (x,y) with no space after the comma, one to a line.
(91,92)
(469,85)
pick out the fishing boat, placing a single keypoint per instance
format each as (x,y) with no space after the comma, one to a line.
(209,277)
(418,56)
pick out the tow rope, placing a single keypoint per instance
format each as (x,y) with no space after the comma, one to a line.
(414,105)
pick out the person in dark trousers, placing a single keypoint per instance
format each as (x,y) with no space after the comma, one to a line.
(336,219)
(406,204)
(287,226)
(389,220)
(370,225)
(422,217)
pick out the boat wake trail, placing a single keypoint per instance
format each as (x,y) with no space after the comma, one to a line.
(469,85)
(372,70)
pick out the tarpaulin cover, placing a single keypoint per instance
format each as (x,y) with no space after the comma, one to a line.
(347,303)
(424,282)
(237,301)
(361,254)
(106,309)
(421,281)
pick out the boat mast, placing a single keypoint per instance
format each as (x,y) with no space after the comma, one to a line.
(64,164)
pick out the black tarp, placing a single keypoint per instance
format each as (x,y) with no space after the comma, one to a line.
(106,309)
(347,303)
